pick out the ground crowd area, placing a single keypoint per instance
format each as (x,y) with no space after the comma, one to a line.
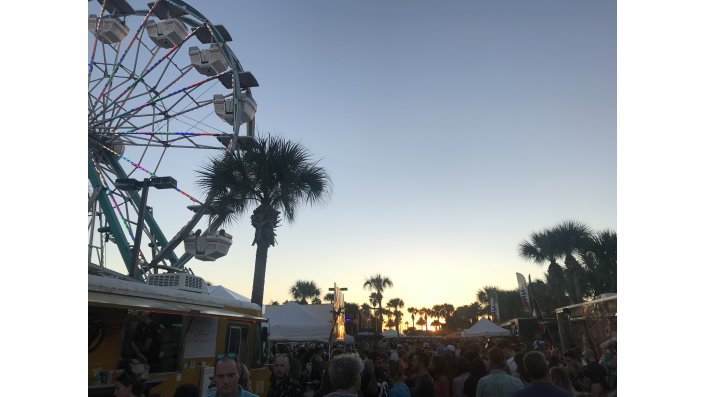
(498,367)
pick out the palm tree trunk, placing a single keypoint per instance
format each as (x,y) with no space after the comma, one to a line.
(260,271)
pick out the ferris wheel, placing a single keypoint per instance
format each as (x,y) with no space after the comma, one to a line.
(162,84)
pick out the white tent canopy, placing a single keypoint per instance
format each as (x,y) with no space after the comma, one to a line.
(390,333)
(485,328)
(292,323)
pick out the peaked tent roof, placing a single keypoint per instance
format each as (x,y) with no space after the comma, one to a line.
(291,322)
(485,327)
(219,290)
(390,333)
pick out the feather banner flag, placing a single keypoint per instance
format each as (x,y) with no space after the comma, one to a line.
(494,307)
(524,293)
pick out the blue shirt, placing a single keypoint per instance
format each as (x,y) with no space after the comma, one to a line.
(399,390)
(498,384)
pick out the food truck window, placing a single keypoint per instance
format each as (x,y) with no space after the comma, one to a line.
(153,339)
(237,341)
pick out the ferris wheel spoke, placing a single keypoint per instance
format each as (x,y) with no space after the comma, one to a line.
(140,29)
(164,97)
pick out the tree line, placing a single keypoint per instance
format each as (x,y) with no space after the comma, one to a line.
(588,269)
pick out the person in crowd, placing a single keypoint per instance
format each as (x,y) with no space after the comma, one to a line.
(477,372)
(540,386)
(244,377)
(521,370)
(509,353)
(423,384)
(410,372)
(282,385)
(440,373)
(127,385)
(147,341)
(393,352)
(226,376)
(554,361)
(573,365)
(295,369)
(187,390)
(375,379)
(609,360)
(593,375)
(462,371)
(399,389)
(560,378)
(326,386)
(498,383)
(403,359)
(316,364)
(344,373)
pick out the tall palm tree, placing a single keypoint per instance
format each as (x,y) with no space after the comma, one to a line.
(378,284)
(413,311)
(274,175)
(571,237)
(302,290)
(423,316)
(541,249)
(395,304)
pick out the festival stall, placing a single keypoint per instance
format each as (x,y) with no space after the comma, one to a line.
(292,322)
(485,328)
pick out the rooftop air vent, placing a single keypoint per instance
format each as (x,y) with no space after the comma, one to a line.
(182,281)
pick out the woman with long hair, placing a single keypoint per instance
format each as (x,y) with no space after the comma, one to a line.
(441,376)
(477,371)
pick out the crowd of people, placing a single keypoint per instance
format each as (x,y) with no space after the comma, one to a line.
(426,369)
(418,369)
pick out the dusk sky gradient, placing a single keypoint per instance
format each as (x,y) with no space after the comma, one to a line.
(450,130)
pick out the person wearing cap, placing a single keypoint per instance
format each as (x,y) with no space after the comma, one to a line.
(498,383)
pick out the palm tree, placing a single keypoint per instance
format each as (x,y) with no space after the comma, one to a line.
(600,260)
(571,237)
(421,323)
(542,248)
(329,297)
(302,290)
(276,176)
(378,284)
(395,304)
(413,311)
(424,312)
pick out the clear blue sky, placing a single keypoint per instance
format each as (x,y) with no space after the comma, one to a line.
(451,131)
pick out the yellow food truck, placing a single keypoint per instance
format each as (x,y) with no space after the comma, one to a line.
(169,331)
